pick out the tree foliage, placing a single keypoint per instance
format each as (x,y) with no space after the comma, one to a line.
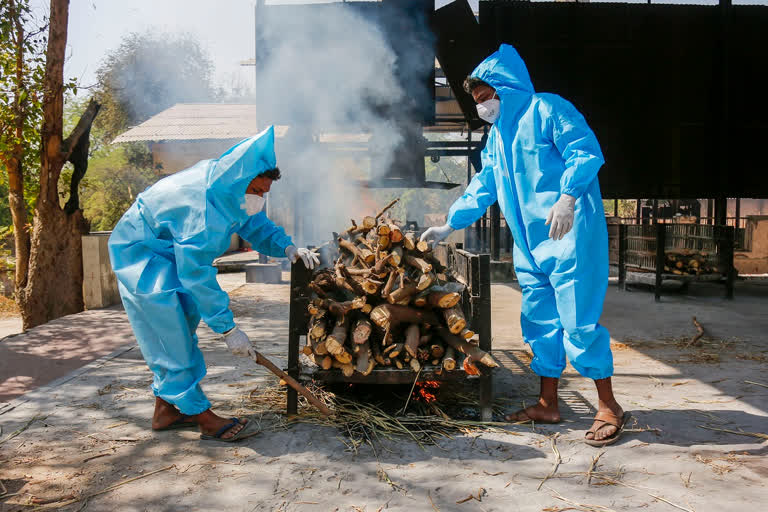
(147,74)
(22,66)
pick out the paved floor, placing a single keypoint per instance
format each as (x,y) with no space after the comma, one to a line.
(53,350)
(696,446)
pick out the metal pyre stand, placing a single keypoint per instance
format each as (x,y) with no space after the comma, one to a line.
(474,270)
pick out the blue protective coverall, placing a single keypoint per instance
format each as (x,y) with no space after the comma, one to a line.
(162,251)
(539,148)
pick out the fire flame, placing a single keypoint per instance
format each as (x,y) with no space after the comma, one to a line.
(422,393)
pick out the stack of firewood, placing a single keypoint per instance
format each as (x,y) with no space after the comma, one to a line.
(387,302)
(688,263)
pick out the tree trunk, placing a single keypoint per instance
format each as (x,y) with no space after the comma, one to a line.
(54,284)
(14,163)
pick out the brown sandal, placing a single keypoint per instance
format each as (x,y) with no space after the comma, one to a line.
(607,418)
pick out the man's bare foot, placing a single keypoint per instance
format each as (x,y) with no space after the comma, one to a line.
(542,412)
(600,429)
(211,424)
(166,414)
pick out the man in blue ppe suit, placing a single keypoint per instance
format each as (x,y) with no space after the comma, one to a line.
(540,163)
(162,251)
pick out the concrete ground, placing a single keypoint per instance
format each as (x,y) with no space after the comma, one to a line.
(54,350)
(699,442)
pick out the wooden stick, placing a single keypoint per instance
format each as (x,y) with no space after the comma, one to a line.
(390,205)
(412,338)
(463,346)
(454,317)
(312,399)
(418,263)
(695,342)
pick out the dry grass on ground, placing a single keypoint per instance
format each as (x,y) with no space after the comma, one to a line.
(8,307)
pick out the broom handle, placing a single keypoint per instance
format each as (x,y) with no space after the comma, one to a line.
(312,399)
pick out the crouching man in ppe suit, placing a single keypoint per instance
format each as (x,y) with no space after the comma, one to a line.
(162,251)
(540,163)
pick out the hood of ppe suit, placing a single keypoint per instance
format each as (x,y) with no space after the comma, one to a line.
(229,175)
(505,71)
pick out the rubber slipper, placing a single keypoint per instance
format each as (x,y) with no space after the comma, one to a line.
(180,422)
(608,418)
(250,429)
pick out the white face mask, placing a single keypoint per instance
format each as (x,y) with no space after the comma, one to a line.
(254,204)
(489,110)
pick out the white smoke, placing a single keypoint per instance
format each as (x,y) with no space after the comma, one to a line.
(326,73)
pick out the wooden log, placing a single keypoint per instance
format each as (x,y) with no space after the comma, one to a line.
(367,255)
(383,229)
(371,286)
(365,362)
(422,246)
(443,299)
(469,367)
(402,295)
(415,365)
(454,317)
(449,359)
(317,329)
(361,240)
(307,351)
(344,356)
(376,353)
(336,339)
(461,345)
(425,281)
(420,300)
(389,284)
(380,268)
(398,364)
(366,308)
(394,350)
(347,369)
(340,309)
(369,222)
(384,242)
(350,280)
(395,233)
(409,241)
(437,350)
(467,334)
(419,263)
(412,338)
(387,316)
(396,256)
(353,250)
(326,362)
(318,347)
(361,331)
(360,272)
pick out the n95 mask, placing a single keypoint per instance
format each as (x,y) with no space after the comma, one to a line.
(254,204)
(489,110)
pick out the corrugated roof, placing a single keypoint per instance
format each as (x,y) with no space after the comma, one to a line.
(198,121)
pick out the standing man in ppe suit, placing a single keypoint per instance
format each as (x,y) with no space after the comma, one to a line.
(162,251)
(540,163)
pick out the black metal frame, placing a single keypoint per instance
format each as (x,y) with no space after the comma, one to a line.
(473,269)
(645,246)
